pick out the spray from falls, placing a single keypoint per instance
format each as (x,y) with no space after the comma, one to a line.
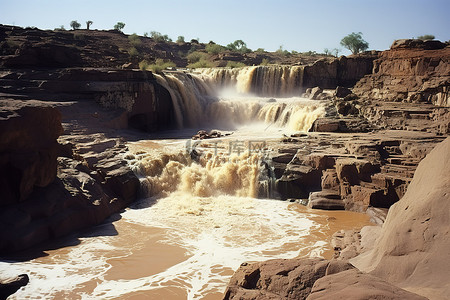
(209,175)
(197,104)
(266,81)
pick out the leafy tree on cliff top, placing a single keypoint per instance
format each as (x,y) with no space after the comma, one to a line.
(239,46)
(75,25)
(355,43)
(119,26)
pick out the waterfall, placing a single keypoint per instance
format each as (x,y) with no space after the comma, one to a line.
(197,102)
(190,95)
(211,175)
(269,81)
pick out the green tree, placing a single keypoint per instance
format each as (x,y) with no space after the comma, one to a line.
(75,25)
(158,37)
(119,26)
(354,42)
(239,46)
(88,24)
(426,37)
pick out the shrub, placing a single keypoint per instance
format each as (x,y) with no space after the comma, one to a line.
(134,40)
(426,37)
(159,65)
(264,62)
(180,39)
(214,49)
(260,50)
(202,63)
(158,37)
(144,65)
(88,24)
(235,64)
(283,52)
(194,47)
(133,52)
(196,56)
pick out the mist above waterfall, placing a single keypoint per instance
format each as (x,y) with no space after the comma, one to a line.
(226,99)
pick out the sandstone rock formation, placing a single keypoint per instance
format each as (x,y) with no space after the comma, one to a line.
(78,184)
(28,148)
(412,248)
(353,284)
(352,171)
(280,278)
(138,99)
(412,71)
(312,278)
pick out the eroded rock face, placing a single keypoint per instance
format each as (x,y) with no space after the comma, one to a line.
(359,171)
(28,148)
(344,71)
(354,284)
(412,248)
(140,102)
(280,278)
(412,71)
(90,179)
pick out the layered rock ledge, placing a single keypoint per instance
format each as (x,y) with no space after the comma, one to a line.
(406,259)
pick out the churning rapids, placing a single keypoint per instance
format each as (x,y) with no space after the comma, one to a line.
(206,206)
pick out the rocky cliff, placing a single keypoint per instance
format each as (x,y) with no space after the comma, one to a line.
(345,71)
(411,71)
(408,260)
(50,187)
(412,247)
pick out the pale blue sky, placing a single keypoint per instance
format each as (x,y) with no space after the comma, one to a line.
(297,25)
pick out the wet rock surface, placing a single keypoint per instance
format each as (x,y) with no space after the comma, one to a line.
(360,171)
(9,286)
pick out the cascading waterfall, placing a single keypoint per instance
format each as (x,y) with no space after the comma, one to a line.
(190,95)
(196,103)
(268,81)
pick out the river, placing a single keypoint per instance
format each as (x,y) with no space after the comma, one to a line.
(206,206)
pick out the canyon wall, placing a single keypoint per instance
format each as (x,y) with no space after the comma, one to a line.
(62,163)
(411,71)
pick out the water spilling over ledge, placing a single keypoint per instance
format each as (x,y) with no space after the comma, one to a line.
(225,98)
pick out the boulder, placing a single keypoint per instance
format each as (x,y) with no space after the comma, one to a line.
(326,199)
(341,92)
(297,181)
(315,92)
(326,125)
(280,278)
(326,204)
(11,285)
